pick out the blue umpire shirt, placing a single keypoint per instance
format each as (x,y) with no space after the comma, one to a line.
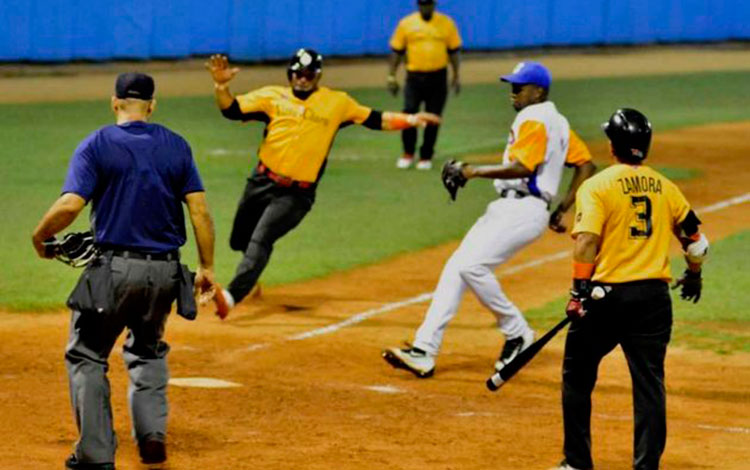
(136,175)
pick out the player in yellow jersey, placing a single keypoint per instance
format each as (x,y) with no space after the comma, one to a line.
(625,217)
(429,40)
(301,120)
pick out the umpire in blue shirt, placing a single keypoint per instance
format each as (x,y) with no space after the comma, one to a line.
(136,175)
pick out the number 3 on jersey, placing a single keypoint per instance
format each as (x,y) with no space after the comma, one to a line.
(643,227)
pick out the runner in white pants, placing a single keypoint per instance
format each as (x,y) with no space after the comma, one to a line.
(540,144)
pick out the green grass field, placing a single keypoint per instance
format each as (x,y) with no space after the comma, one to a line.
(366,209)
(719,321)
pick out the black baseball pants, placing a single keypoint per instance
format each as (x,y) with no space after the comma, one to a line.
(430,88)
(638,317)
(266,212)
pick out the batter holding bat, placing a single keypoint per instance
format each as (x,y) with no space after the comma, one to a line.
(625,217)
(541,143)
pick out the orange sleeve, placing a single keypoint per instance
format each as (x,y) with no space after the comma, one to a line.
(398,40)
(530,145)
(454,39)
(355,112)
(578,153)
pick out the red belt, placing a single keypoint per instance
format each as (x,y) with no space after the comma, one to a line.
(282,180)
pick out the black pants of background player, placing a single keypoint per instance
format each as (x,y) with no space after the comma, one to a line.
(266,212)
(430,88)
(638,317)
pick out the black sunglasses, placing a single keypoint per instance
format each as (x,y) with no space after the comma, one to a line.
(516,88)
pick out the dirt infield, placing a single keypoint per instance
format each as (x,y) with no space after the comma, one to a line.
(328,401)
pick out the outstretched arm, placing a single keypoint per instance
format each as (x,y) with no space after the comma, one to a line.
(222,74)
(62,213)
(510,170)
(394,121)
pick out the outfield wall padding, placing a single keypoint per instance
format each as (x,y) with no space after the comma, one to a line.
(254,30)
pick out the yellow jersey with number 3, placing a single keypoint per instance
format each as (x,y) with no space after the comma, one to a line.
(634,209)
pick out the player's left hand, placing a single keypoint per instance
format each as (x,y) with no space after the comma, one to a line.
(691,283)
(456,85)
(427,119)
(218,66)
(555,221)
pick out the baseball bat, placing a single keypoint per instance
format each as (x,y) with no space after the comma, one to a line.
(499,378)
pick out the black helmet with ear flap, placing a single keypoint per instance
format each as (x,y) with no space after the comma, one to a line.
(305,59)
(630,133)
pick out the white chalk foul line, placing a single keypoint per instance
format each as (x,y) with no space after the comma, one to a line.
(735,429)
(360,317)
(725,203)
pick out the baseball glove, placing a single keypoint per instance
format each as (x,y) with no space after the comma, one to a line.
(75,249)
(453,177)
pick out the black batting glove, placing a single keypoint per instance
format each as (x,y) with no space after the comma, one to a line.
(691,284)
(579,294)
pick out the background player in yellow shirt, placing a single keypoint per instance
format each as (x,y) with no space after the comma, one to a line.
(429,40)
(302,120)
(625,218)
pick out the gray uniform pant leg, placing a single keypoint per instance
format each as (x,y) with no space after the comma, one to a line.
(144,293)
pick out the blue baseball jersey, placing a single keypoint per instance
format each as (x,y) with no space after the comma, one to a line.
(136,176)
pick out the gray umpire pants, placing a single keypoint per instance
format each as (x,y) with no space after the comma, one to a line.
(143,294)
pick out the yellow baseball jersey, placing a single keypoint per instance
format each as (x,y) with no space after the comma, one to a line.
(541,140)
(634,209)
(426,42)
(299,133)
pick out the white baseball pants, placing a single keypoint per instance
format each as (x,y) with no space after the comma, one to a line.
(508,225)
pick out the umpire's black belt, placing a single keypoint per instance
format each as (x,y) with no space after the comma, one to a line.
(133,254)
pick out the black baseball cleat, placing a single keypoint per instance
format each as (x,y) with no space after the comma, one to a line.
(415,360)
(513,347)
(153,451)
(72,463)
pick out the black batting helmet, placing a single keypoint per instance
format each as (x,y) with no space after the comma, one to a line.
(630,133)
(305,60)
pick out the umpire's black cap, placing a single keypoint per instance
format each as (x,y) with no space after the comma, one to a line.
(134,85)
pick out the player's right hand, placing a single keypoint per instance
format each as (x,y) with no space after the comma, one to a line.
(392,85)
(204,283)
(555,221)
(218,66)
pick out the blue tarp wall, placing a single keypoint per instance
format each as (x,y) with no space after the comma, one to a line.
(63,30)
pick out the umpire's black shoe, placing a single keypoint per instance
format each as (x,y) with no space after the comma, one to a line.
(512,347)
(153,451)
(72,463)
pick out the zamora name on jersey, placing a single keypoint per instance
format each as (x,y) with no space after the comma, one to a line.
(640,184)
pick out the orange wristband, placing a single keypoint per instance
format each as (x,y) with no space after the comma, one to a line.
(400,121)
(582,270)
